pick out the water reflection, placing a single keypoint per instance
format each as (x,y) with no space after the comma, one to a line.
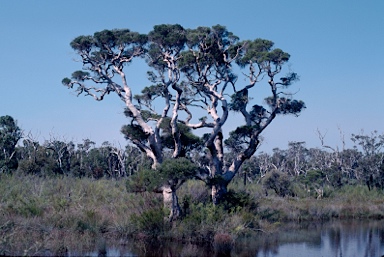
(351,238)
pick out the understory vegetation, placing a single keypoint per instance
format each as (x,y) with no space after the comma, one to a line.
(53,215)
(58,197)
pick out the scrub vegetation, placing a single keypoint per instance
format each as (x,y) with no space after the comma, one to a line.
(56,214)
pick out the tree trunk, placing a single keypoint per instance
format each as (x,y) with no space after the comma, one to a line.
(219,190)
(171,203)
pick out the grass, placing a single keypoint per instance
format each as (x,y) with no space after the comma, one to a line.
(54,216)
(53,213)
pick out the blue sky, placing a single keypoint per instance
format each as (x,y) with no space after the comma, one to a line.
(337,48)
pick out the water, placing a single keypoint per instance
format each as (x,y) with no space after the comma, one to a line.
(331,239)
(338,239)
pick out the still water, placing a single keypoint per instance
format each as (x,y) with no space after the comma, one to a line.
(331,239)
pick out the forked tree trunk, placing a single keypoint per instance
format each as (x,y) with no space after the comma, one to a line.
(171,203)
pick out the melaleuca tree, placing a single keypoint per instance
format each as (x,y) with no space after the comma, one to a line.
(10,134)
(194,76)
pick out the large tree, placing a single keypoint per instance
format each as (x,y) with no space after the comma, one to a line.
(198,76)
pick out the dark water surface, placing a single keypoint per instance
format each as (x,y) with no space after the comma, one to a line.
(331,239)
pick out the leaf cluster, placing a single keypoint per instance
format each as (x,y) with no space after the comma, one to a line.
(10,133)
(168,36)
(239,100)
(207,47)
(239,137)
(170,172)
(261,52)
(189,141)
(134,132)
(108,39)
(148,94)
(289,106)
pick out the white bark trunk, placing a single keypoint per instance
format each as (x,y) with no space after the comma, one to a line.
(171,203)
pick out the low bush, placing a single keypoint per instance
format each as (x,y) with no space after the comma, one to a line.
(279,182)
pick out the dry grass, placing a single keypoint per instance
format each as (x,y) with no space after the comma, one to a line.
(51,214)
(56,216)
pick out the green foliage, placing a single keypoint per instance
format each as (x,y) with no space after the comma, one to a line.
(209,45)
(107,39)
(168,36)
(91,221)
(149,222)
(277,57)
(258,113)
(10,134)
(201,222)
(235,201)
(288,106)
(289,78)
(279,182)
(285,105)
(170,172)
(144,180)
(79,75)
(82,43)
(256,51)
(189,141)
(313,177)
(239,100)
(150,93)
(134,132)
(180,168)
(239,138)
(66,81)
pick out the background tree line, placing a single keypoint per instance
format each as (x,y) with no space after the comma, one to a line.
(55,156)
(311,169)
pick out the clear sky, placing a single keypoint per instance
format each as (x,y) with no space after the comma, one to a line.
(337,48)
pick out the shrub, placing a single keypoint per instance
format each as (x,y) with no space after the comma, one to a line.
(279,182)
(170,171)
(236,200)
(149,222)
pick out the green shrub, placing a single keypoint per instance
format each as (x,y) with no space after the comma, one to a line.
(234,201)
(201,222)
(144,180)
(169,172)
(279,182)
(149,222)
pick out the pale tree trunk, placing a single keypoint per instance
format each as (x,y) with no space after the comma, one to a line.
(171,202)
